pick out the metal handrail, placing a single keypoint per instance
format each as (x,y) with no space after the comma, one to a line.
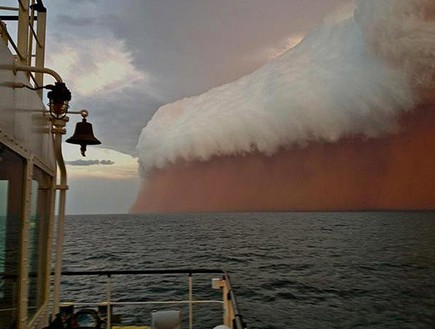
(127,272)
(9,8)
(134,272)
(237,315)
(155,302)
(238,322)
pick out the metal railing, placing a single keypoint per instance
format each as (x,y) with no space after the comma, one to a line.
(231,314)
(27,44)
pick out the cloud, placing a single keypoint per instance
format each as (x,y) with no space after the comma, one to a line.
(96,68)
(106,162)
(89,162)
(123,60)
(80,21)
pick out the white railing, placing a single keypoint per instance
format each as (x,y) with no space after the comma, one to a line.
(231,316)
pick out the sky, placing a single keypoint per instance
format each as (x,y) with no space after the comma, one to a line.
(122,60)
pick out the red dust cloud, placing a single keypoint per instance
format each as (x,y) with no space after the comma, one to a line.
(396,172)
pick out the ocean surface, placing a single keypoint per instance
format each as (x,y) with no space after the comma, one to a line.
(289,270)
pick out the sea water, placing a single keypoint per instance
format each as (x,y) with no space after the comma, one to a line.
(289,270)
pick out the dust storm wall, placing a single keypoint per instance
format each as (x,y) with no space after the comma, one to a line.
(343,121)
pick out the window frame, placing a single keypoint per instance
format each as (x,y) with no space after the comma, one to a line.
(31,161)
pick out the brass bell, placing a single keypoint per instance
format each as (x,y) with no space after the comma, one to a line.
(83,136)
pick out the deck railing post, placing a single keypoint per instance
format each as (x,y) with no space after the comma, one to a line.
(109,296)
(190,301)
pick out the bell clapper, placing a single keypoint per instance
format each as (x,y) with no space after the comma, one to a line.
(83,149)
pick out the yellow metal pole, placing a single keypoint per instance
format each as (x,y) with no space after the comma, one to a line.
(40,48)
(23,30)
(50,238)
(59,130)
(23,276)
(30,34)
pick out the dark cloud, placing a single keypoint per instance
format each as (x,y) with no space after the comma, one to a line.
(89,162)
(189,46)
(83,1)
(76,21)
(106,162)
(83,21)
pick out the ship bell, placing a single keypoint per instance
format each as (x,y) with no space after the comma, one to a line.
(83,136)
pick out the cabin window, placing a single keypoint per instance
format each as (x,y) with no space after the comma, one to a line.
(38,240)
(11,202)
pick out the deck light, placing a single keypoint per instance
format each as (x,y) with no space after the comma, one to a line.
(59,97)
